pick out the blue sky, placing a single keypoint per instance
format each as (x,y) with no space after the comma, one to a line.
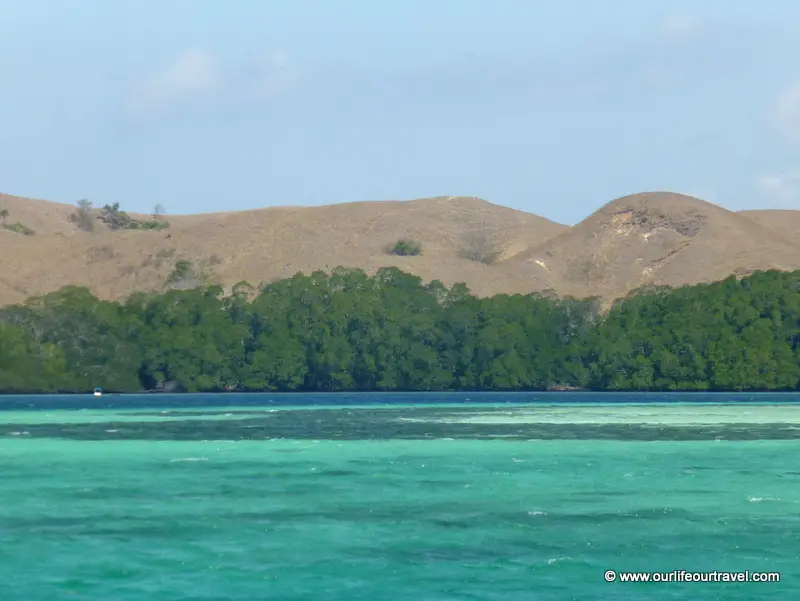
(549,107)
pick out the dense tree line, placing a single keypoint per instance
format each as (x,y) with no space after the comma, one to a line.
(350,331)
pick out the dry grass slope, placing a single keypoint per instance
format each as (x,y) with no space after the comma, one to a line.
(263,245)
(652,238)
(783,222)
(657,238)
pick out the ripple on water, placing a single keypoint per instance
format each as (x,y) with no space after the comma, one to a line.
(153,512)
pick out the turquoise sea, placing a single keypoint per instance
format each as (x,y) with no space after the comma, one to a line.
(397,497)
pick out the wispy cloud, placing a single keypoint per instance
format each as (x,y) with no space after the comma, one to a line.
(681,27)
(194,76)
(782,190)
(678,53)
(267,76)
(199,79)
(785,114)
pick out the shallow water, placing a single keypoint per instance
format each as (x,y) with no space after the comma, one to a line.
(159,501)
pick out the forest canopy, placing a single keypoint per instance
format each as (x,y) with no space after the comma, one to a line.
(347,331)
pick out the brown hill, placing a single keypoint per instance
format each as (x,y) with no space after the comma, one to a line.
(656,238)
(265,244)
(652,238)
(782,221)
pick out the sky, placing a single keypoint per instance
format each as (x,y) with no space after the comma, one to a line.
(549,107)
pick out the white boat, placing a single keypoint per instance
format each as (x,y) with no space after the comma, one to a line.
(98,392)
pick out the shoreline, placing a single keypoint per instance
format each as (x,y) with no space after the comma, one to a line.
(558,392)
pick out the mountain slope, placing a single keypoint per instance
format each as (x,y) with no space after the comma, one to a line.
(782,221)
(265,244)
(650,238)
(656,238)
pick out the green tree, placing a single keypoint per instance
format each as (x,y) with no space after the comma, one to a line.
(350,331)
(406,248)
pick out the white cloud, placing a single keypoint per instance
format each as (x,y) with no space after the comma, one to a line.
(780,191)
(681,27)
(197,78)
(660,76)
(272,74)
(785,114)
(191,77)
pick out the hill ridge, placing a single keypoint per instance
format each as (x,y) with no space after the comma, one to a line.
(649,238)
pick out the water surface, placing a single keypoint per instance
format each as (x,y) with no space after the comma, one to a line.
(411,497)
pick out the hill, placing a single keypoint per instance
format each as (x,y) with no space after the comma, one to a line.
(782,221)
(657,238)
(265,244)
(645,239)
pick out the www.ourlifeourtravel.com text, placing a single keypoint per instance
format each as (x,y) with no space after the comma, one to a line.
(686,576)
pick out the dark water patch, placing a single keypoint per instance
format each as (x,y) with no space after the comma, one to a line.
(338,473)
(123,529)
(785,525)
(443,483)
(463,399)
(592,518)
(497,551)
(363,513)
(268,466)
(107,492)
(600,493)
(442,553)
(460,524)
(156,530)
(524,554)
(441,515)
(166,523)
(384,424)
(42,522)
(267,475)
(96,525)
(203,413)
